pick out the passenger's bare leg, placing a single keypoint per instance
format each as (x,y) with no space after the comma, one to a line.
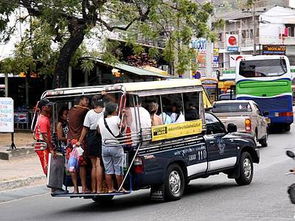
(99,176)
(83,179)
(93,174)
(109,182)
(75,181)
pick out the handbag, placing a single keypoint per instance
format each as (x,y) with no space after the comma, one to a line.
(291,192)
(55,173)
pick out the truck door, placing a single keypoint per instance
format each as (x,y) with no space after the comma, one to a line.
(261,123)
(222,151)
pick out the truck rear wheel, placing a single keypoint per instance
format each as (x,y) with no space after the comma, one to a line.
(287,127)
(174,183)
(263,142)
(246,169)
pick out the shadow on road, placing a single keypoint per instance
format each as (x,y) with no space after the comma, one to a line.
(203,188)
(140,199)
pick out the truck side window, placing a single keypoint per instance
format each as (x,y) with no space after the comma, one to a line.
(173,106)
(213,125)
(153,105)
(258,110)
(191,106)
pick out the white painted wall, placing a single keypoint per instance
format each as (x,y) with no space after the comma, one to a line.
(269,33)
(272,24)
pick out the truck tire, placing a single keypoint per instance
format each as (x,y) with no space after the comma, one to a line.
(263,142)
(102,199)
(246,169)
(174,183)
(287,127)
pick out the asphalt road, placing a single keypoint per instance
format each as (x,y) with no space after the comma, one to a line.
(214,198)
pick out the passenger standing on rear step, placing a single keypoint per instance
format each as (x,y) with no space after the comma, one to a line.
(76,117)
(112,150)
(93,142)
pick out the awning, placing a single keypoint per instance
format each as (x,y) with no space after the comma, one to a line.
(132,69)
(156,70)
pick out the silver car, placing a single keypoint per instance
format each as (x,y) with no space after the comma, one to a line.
(246,115)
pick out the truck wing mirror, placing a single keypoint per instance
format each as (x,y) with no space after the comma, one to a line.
(231,128)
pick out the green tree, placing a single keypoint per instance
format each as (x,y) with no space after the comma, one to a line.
(69,21)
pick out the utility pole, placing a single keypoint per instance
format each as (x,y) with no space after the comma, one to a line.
(6,84)
(209,49)
(240,35)
(224,43)
(254,26)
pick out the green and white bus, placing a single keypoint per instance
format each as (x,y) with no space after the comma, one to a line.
(267,80)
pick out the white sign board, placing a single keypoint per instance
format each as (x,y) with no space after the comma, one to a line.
(6,115)
(232,40)
(199,44)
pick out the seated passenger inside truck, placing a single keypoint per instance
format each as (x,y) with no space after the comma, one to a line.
(191,113)
(153,110)
(133,112)
(173,108)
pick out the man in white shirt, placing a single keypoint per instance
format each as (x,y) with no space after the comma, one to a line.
(142,116)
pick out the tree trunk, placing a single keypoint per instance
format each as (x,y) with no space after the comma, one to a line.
(66,53)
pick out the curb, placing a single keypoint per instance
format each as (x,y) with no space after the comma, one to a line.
(19,152)
(12,184)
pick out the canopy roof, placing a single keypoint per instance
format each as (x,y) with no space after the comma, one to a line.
(132,69)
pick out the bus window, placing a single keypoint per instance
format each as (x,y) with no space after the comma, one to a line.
(263,68)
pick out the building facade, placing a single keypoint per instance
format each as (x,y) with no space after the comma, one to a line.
(259,30)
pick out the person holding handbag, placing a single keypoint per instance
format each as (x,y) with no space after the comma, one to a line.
(76,117)
(42,134)
(110,127)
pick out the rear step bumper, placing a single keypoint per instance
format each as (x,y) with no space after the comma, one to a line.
(89,195)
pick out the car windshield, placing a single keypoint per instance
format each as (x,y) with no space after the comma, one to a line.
(231,107)
(263,68)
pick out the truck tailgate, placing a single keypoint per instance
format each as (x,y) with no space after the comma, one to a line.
(239,121)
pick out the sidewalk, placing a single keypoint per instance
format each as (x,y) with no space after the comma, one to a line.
(23,167)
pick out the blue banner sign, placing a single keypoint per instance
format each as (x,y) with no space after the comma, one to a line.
(233,49)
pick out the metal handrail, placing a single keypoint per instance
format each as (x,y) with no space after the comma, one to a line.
(144,135)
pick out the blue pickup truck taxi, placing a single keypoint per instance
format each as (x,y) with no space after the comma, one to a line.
(192,144)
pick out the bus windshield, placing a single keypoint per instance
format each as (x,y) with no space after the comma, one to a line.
(263,68)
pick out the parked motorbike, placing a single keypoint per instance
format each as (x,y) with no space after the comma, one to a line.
(291,188)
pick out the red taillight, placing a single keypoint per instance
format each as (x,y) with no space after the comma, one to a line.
(248,125)
(138,165)
(286,114)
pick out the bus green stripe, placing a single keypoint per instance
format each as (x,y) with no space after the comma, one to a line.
(263,88)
